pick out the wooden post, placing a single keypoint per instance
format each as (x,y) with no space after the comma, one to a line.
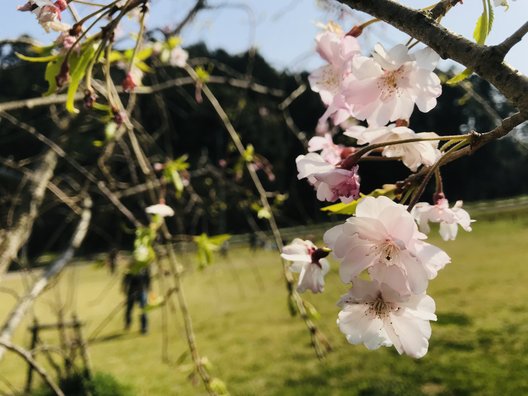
(87,370)
(34,339)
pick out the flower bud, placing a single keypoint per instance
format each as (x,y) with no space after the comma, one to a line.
(64,75)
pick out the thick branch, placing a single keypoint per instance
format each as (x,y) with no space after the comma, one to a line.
(25,303)
(18,236)
(486,61)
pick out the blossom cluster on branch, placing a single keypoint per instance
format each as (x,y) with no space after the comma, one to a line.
(385,240)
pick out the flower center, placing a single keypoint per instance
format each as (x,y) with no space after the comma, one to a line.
(389,84)
(388,251)
(381,308)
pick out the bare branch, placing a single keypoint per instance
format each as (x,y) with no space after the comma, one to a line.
(485,61)
(144,90)
(515,38)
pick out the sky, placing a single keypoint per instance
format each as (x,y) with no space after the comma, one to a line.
(284,30)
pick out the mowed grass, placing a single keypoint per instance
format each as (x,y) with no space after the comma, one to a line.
(479,345)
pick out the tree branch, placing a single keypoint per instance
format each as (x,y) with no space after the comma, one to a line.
(143,90)
(484,60)
(504,47)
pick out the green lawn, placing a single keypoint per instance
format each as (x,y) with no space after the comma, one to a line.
(479,345)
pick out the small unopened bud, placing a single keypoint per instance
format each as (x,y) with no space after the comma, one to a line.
(64,75)
(76,30)
(320,253)
(355,31)
(61,4)
(128,83)
(158,166)
(89,99)
(438,196)
(347,151)
(119,116)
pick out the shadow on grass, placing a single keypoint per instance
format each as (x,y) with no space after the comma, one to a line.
(114,336)
(453,318)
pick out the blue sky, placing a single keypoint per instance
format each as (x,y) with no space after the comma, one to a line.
(284,30)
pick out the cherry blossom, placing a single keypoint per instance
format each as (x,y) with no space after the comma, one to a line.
(385,87)
(309,261)
(330,182)
(412,154)
(383,238)
(337,49)
(330,151)
(449,218)
(178,57)
(376,315)
(160,209)
(48,14)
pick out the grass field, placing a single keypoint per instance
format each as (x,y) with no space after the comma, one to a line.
(479,345)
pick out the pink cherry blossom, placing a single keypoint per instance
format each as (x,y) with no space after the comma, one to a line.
(385,87)
(449,218)
(376,315)
(338,50)
(309,262)
(412,154)
(383,238)
(178,57)
(330,182)
(48,14)
(330,151)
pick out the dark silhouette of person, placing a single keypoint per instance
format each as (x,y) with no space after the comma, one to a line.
(136,286)
(112,260)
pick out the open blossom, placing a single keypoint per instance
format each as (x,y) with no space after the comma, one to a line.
(330,182)
(386,86)
(376,315)
(383,238)
(449,218)
(338,50)
(48,13)
(412,154)
(160,209)
(309,261)
(178,57)
(330,151)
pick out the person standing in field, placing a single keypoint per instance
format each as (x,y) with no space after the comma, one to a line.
(136,285)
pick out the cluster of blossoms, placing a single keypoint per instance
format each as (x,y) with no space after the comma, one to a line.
(48,13)
(381,250)
(380,89)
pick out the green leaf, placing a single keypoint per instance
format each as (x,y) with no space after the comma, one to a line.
(77,74)
(388,190)
(41,59)
(219,387)
(173,42)
(311,311)
(206,246)
(460,77)
(52,70)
